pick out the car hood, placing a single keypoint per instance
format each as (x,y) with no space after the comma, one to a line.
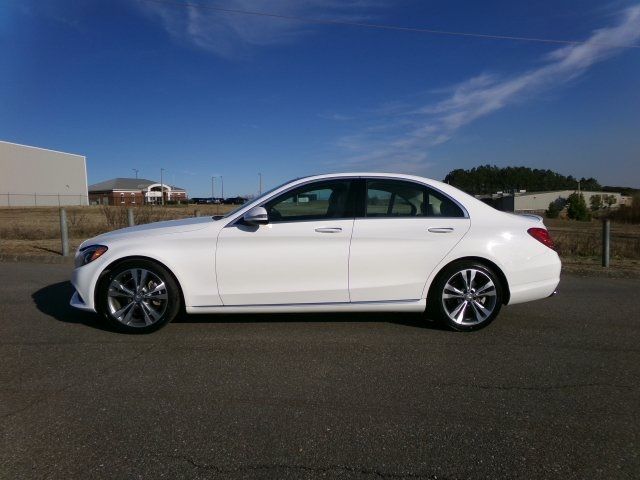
(156,228)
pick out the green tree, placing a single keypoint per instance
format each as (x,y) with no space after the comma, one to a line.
(491,179)
(610,200)
(554,210)
(577,207)
(596,202)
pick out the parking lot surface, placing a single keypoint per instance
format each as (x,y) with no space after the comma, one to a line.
(550,389)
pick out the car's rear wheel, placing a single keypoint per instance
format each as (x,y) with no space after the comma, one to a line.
(466,296)
(138,296)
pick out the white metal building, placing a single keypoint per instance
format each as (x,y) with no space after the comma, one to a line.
(32,176)
(539,201)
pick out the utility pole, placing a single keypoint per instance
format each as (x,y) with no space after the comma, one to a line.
(161,187)
(213,194)
(135,170)
(222,187)
(260,186)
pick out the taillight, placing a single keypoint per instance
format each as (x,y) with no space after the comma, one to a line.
(542,235)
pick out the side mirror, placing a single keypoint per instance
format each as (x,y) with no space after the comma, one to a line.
(256,216)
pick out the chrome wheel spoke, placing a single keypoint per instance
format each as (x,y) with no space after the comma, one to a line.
(472,276)
(459,309)
(143,278)
(119,289)
(128,307)
(463,274)
(479,310)
(150,310)
(488,293)
(452,295)
(158,290)
(453,289)
(129,315)
(147,317)
(485,288)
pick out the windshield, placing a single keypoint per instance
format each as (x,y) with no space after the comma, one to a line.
(255,200)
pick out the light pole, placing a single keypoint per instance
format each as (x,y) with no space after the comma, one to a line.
(222,188)
(161,187)
(213,194)
(135,170)
(260,184)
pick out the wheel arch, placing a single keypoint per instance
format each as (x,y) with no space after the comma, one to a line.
(504,283)
(118,261)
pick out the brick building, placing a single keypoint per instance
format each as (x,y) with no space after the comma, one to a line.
(134,191)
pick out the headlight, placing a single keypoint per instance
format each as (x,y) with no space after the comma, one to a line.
(89,254)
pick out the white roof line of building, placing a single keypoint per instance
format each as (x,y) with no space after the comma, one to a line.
(40,148)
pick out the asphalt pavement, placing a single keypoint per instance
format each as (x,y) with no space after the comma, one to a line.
(550,390)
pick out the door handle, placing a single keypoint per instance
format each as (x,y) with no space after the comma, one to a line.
(441,229)
(328,229)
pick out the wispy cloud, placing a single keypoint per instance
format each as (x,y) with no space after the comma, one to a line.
(405,135)
(232,35)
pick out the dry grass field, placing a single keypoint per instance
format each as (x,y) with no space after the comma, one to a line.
(35,231)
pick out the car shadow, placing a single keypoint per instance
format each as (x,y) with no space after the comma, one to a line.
(415,320)
(53,300)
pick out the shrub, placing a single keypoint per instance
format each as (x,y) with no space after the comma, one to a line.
(596,202)
(554,210)
(577,208)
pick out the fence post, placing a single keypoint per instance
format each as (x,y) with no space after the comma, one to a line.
(130,216)
(64,232)
(606,236)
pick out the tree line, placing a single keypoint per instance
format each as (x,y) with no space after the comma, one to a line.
(488,179)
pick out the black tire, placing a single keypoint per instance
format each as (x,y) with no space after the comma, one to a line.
(150,309)
(483,297)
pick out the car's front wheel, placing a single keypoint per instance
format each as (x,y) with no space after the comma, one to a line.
(138,296)
(466,296)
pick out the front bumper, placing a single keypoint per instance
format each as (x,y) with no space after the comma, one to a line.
(84,280)
(78,302)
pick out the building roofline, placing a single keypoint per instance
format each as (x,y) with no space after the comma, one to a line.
(44,149)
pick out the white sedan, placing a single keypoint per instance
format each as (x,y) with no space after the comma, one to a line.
(328,243)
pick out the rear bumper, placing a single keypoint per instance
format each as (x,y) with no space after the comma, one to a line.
(539,280)
(534,291)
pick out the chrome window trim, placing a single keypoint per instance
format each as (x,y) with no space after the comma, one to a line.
(293,187)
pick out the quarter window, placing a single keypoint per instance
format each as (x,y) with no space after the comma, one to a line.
(316,201)
(395,198)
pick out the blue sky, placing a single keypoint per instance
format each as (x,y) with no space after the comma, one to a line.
(145,84)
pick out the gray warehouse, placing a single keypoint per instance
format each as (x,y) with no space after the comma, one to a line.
(32,176)
(538,202)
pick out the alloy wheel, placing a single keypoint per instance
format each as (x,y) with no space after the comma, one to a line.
(137,297)
(469,297)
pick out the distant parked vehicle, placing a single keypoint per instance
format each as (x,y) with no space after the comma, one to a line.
(344,242)
(234,201)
